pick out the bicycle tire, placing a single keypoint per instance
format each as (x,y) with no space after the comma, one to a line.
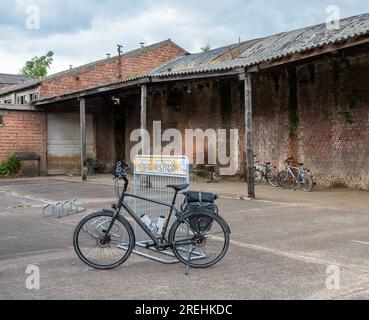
(272,177)
(89,262)
(177,245)
(258,176)
(308,187)
(286,180)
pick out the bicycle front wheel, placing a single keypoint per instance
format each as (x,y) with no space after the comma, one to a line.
(308,183)
(101,251)
(286,180)
(258,176)
(201,240)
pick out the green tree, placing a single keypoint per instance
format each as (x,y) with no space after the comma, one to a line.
(38,66)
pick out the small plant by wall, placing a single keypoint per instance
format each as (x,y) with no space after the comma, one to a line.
(10,167)
(348,117)
(293,104)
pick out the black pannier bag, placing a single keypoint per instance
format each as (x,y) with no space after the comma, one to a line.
(200,202)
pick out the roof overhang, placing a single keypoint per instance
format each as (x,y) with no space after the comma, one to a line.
(16,107)
(312,54)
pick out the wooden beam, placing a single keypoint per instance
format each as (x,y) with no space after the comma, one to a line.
(17,107)
(197,76)
(144,118)
(82,107)
(249,138)
(89,92)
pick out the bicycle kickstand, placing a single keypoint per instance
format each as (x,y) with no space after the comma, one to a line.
(187,271)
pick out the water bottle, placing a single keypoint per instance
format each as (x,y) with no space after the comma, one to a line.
(160,225)
(147,221)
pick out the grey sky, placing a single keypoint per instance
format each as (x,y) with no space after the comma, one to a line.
(81,31)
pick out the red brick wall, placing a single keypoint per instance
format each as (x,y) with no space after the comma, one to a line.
(105,140)
(23,131)
(133,64)
(332,137)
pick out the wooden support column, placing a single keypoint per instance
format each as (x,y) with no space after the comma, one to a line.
(144,119)
(82,116)
(249,138)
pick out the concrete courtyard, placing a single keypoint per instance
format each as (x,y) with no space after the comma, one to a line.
(282,245)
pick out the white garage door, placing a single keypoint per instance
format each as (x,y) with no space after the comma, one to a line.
(64,142)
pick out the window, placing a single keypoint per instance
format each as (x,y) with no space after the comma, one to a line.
(8,101)
(34,96)
(1,121)
(22,100)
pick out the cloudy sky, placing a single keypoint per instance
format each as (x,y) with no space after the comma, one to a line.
(81,31)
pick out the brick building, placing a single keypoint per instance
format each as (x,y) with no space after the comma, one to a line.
(23,128)
(309,100)
(7,80)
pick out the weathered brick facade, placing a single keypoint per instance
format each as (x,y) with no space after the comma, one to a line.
(133,64)
(332,136)
(317,112)
(23,131)
(331,105)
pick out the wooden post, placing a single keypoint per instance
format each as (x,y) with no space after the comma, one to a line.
(82,116)
(143,118)
(249,138)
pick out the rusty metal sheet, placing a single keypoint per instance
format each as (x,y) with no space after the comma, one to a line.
(64,142)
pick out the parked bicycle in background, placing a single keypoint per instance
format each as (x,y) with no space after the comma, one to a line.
(295,176)
(266,172)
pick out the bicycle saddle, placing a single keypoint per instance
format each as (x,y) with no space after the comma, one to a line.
(178,187)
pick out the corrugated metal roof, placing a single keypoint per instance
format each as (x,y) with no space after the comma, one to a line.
(20,86)
(11,78)
(192,61)
(255,51)
(271,48)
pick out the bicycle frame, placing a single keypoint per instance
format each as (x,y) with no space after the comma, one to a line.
(289,170)
(159,243)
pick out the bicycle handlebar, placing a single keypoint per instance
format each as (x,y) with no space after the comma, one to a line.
(121,171)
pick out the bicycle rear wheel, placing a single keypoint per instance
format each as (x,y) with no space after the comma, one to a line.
(89,241)
(272,176)
(201,240)
(286,180)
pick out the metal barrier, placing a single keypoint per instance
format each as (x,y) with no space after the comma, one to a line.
(151,176)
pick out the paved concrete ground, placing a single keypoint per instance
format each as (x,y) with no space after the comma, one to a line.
(281,247)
